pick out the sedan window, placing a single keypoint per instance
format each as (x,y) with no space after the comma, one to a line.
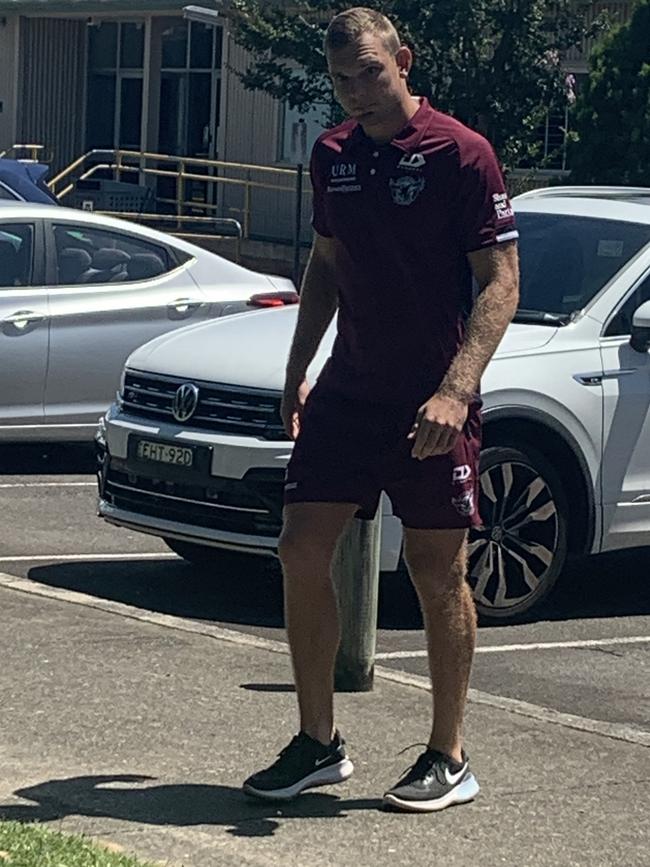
(90,255)
(565,260)
(16,247)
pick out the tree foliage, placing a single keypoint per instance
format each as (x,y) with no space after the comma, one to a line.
(494,64)
(612,122)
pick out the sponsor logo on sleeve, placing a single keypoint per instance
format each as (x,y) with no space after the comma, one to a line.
(502,206)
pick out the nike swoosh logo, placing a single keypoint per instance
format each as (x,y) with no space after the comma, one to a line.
(320,762)
(452,779)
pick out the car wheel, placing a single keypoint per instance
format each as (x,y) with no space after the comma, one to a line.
(204,556)
(515,560)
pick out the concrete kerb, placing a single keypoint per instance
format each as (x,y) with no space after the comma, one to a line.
(616,731)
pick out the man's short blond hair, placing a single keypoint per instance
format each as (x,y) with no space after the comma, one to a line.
(348,26)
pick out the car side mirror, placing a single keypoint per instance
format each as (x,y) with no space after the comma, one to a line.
(640,337)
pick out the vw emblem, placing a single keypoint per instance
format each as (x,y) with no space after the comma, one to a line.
(185,401)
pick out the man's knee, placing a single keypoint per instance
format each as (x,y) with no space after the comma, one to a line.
(437,565)
(295,545)
(301,551)
(310,534)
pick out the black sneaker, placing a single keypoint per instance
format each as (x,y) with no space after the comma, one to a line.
(304,764)
(434,782)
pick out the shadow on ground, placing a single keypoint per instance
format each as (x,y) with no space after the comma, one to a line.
(135,798)
(246,590)
(37,459)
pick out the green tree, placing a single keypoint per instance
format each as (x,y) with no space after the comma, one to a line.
(494,64)
(612,122)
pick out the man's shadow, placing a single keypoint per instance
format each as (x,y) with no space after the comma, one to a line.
(123,796)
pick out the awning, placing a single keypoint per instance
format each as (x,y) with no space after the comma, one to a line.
(44,8)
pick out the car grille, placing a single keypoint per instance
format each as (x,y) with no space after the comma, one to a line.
(220,408)
(252,505)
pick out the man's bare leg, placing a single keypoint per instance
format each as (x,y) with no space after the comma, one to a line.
(437,563)
(307,544)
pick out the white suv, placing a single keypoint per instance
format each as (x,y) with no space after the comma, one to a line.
(193,450)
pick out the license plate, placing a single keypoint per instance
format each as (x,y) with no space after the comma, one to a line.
(179,456)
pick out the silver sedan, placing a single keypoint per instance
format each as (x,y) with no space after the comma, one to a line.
(78,293)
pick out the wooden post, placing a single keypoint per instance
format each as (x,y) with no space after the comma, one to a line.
(355,572)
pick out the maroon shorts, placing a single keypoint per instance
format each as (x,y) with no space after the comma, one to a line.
(349,452)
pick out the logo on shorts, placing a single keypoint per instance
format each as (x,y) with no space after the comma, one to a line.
(464,503)
(291,486)
(405,190)
(461,474)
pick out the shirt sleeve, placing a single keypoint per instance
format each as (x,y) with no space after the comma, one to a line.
(319,212)
(486,215)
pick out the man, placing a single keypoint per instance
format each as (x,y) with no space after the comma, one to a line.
(408,205)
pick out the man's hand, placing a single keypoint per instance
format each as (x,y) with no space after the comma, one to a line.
(292,406)
(438,424)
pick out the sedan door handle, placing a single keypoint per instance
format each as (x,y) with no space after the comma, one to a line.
(184,306)
(22,318)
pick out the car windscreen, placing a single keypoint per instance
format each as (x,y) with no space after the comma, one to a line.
(566,260)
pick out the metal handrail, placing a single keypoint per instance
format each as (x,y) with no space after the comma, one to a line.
(119,154)
(180,168)
(186,168)
(34,150)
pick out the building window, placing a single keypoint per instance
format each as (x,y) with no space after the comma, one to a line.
(190,88)
(114,93)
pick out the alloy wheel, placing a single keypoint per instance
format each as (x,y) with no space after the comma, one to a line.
(511,556)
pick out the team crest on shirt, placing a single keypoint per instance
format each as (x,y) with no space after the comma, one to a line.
(406,189)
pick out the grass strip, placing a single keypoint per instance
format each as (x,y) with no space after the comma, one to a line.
(30,845)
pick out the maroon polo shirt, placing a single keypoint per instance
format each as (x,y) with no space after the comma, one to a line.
(406,214)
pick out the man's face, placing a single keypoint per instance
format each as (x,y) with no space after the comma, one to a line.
(367,80)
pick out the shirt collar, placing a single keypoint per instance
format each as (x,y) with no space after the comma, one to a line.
(408,138)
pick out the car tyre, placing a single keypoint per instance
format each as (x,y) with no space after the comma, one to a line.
(516,559)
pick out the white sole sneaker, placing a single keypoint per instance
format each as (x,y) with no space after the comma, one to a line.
(461,794)
(328,776)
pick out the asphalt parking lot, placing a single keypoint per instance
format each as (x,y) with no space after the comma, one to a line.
(589,656)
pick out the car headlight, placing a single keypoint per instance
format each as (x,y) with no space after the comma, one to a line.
(100,432)
(119,397)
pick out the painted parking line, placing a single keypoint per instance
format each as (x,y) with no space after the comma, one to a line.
(162,555)
(48,485)
(617,731)
(540,645)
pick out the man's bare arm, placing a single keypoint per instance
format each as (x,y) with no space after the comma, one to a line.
(496,270)
(440,420)
(318,303)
